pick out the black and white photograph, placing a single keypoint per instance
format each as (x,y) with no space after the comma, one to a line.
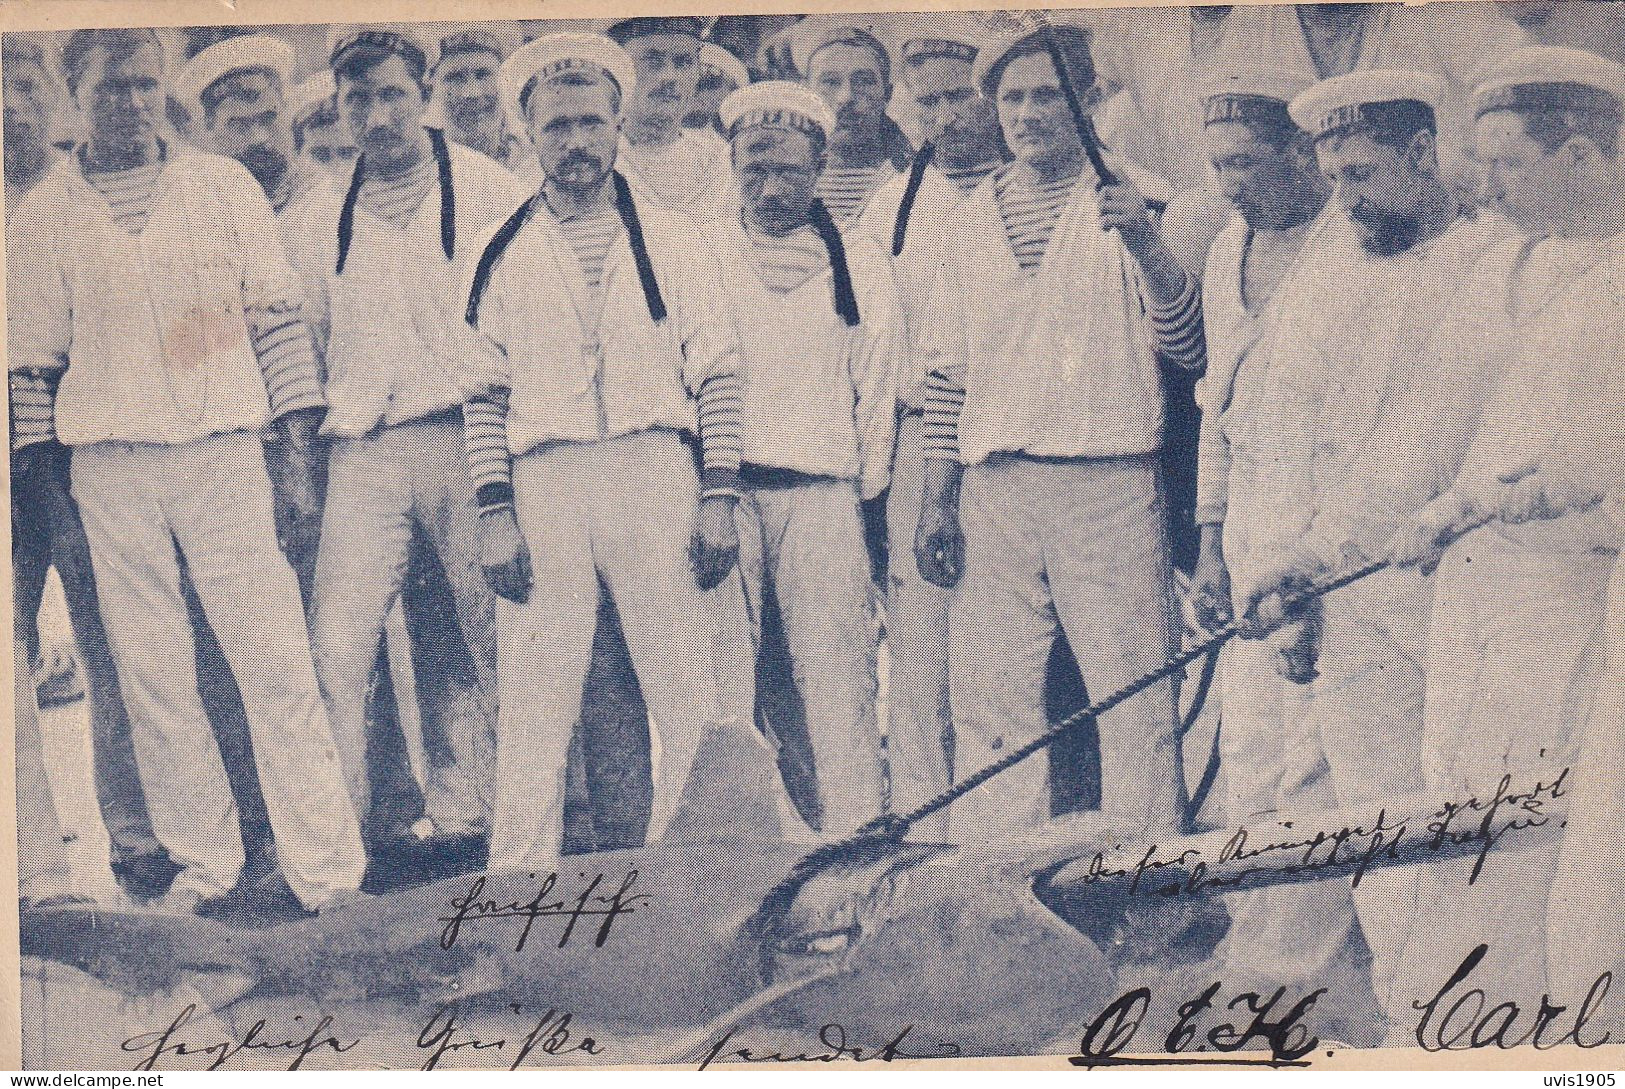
(1083,537)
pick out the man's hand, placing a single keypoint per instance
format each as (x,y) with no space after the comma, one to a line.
(1210,583)
(1272,602)
(939,544)
(503,555)
(1540,495)
(714,548)
(291,457)
(1297,646)
(1124,210)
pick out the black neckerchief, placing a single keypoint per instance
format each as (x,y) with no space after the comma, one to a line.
(448,202)
(846,303)
(505,234)
(916,175)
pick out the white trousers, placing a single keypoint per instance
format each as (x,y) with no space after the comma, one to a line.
(920,733)
(212,497)
(622,509)
(1513,667)
(377,488)
(809,551)
(1078,546)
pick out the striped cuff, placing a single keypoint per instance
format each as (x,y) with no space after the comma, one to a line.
(722,427)
(944,401)
(33,406)
(485,432)
(287,358)
(1176,327)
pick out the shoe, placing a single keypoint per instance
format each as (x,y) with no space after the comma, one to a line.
(56,678)
(145,876)
(263,904)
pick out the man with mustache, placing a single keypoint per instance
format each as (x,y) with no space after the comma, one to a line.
(1523,542)
(163,391)
(850,70)
(467,92)
(236,91)
(600,352)
(46,528)
(821,338)
(676,166)
(1343,360)
(908,220)
(383,258)
(318,136)
(721,74)
(1044,394)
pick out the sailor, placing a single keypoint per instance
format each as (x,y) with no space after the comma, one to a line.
(908,220)
(384,258)
(721,74)
(820,337)
(467,92)
(1518,631)
(319,138)
(1319,41)
(1346,455)
(1266,168)
(600,350)
(163,392)
(674,165)
(1046,395)
(46,530)
(236,92)
(850,68)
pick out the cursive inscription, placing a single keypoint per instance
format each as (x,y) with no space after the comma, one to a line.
(260,1039)
(553,1033)
(593,901)
(1456,1018)
(834,1046)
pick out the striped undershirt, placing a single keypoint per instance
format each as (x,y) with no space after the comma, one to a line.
(396,200)
(969,177)
(786,262)
(276,327)
(1030,213)
(721,407)
(846,189)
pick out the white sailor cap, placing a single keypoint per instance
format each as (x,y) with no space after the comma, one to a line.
(548,56)
(313,94)
(717,59)
(237,54)
(498,38)
(942,34)
(1551,78)
(778,104)
(407,39)
(1336,103)
(817,31)
(1246,94)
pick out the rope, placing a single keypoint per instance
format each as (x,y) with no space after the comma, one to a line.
(875,839)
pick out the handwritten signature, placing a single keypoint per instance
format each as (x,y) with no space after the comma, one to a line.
(1273,1024)
(473,907)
